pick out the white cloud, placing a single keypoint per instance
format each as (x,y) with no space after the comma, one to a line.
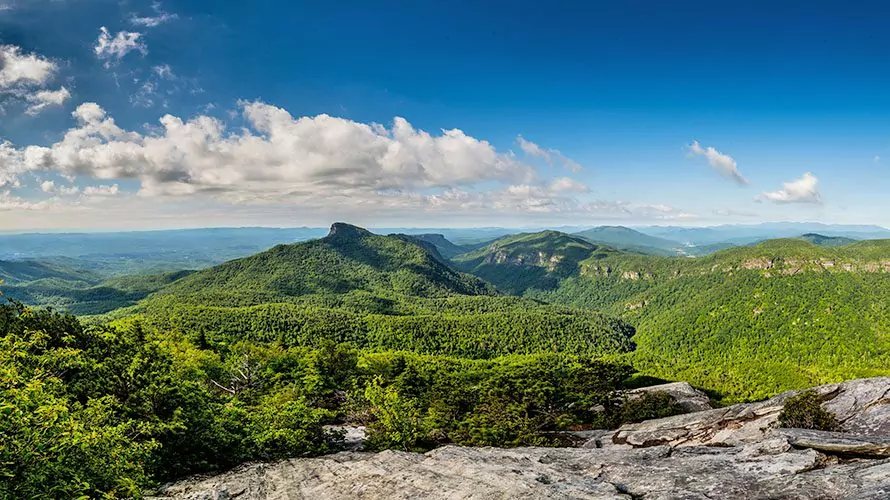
(278,157)
(567,185)
(312,167)
(145,96)
(113,49)
(51,187)
(11,165)
(164,72)
(548,155)
(876,158)
(724,164)
(18,68)
(158,19)
(10,202)
(802,190)
(103,190)
(43,99)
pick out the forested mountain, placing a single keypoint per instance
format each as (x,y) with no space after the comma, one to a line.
(20,271)
(536,260)
(748,321)
(445,247)
(392,292)
(624,238)
(827,241)
(349,260)
(90,298)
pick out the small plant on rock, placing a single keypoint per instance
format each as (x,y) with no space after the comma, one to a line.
(804,411)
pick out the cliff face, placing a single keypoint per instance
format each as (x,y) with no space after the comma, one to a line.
(726,453)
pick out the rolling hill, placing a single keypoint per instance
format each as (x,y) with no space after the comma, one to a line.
(827,241)
(520,262)
(624,238)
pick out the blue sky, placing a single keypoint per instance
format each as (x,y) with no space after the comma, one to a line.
(196,113)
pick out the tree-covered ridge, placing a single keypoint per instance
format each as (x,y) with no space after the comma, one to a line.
(13,272)
(472,328)
(749,321)
(90,298)
(827,241)
(348,260)
(445,247)
(627,239)
(531,260)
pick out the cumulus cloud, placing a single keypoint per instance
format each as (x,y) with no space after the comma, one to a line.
(51,187)
(277,156)
(18,68)
(42,99)
(160,17)
(722,163)
(551,156)
(112,49)
(319,166)
(802,190)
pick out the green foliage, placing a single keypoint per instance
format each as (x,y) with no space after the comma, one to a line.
(531,261)
(648,406)
(747,322)
(805,411)
(108,410)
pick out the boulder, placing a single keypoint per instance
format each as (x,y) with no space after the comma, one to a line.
(690,398)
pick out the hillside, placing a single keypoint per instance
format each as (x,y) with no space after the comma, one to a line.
(445,247)
(86,298)
(20,271)
(349,260)
(521,262)
(391,292)
(748,321)
(624,238)
(827,241)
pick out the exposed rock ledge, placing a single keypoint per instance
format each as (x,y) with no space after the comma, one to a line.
(727,453)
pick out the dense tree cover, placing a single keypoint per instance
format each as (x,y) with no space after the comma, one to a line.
(478,333)
(748,322)
(521,262)
(348,260)
(107,410)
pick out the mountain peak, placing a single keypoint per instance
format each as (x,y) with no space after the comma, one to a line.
(342,229)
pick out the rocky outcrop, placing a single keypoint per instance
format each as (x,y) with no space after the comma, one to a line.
(771,470)
(726,453)
(861,406)
(688,397)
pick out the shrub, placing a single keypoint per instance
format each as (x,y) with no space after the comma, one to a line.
(649,406)
(804,411)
